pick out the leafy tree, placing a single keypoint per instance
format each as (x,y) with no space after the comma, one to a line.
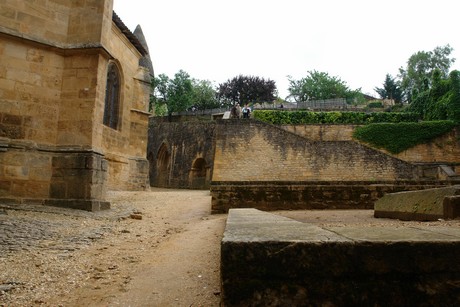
(319,85)
(440,101)
(453,109)
(391,89)
(246,89)
(181,93)
(420,68)
(204,95)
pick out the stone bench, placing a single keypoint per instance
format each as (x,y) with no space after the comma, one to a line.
(269,260)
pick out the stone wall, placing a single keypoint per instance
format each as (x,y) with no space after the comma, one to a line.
(443,150)
(323,132)
(307,195)
(254,151)
(181,154)
(54,57)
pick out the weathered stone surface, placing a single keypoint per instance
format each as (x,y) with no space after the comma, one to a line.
(190,144)
(283,195)
(425,205)
(54,57)
(274,261)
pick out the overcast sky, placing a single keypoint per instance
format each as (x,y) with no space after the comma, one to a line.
(359,41)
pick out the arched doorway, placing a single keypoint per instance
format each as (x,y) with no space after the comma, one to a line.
(163,166)
(199,174)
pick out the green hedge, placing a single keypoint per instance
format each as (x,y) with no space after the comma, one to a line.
(401,136)
(375,105)
(277,117)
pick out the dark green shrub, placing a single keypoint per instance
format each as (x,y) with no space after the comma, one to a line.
(375,105)
(277,117)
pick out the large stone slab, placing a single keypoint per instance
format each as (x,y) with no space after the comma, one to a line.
(269,260)
(423,205)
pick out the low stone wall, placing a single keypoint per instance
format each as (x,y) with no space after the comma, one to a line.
(284,195)
(269,260)
(426,205)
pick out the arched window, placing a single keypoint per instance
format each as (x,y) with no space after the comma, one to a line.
(112,97)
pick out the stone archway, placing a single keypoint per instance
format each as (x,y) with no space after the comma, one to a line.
(199,174)
(163,164)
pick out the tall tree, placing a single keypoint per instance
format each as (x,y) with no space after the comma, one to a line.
(420,68)
(204,95)
(319,85)
(246,89)
(441,100)
(391,89)
(176,94)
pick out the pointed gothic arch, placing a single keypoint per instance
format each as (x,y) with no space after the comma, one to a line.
(199,174)
(112,97)
(163,166)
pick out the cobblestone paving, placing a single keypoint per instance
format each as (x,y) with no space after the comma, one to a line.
(45,240)
(26,233)
(46,229)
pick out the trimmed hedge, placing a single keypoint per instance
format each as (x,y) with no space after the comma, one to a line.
(398,137)
(277,117)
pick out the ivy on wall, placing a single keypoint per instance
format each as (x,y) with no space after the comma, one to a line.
(394,132)
(398,137)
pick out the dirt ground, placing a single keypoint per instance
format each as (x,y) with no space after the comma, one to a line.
(169,257)
(156,248)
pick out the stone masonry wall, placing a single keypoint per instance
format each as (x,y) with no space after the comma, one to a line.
(253,151)
(444,149)
(322,132)
(57,22)
(30,84)
(285,195)
(53,68)
(173,150)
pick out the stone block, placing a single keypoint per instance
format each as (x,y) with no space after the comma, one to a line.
(424,205)
(451,207)
(17,172)
(5,188)
(58,190)
(268,260)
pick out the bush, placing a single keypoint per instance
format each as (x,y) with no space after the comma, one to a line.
(375,105)
(398,137)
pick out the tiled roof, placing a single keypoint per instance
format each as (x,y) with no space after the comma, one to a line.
(129,35)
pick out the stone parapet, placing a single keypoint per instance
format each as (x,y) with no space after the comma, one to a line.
(269,260)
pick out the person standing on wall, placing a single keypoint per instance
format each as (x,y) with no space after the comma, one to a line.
(246,111)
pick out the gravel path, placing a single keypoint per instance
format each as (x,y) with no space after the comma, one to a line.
(158,248)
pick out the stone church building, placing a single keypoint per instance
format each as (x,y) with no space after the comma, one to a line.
(74,92)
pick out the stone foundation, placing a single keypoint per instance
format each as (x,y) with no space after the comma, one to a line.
(56,176)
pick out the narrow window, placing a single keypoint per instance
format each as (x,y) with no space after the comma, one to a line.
(112,97)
